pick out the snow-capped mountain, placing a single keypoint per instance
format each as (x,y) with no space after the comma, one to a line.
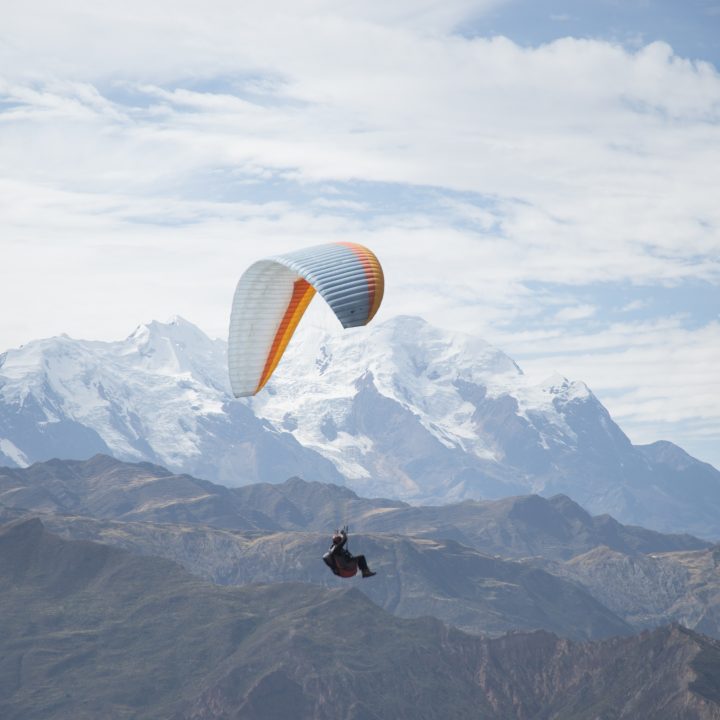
(160,395)
(440,415)
(399,409)
(411,411)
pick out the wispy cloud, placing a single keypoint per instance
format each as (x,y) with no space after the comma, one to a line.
(578,312)
(634,305)
(141,137)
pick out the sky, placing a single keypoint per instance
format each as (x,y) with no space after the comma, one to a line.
(542,174)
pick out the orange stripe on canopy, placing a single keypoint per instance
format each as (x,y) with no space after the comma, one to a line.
(374,274)
(303,293)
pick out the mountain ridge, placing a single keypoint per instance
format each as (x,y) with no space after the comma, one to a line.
(126,636)
(106,487)
(470,563)
(401,409)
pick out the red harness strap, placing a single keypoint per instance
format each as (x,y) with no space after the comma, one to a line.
(349,571)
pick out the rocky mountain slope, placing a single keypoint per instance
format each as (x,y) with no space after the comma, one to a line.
(458,585)
(90,631)
(441,561)
(648,590)
(400,409)
(103,487)
(520,526)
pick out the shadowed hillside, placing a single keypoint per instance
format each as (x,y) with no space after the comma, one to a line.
(90,631)
(458,585)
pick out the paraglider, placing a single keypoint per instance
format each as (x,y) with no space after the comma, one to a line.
(272,295)
(341,561)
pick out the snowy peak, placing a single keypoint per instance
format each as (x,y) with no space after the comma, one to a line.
(42,368)
(175,348)
(404,346)
(161,395)
(407,360)
(559,386)
(448,397)
(76,374)
(176,329)
(412,347)
(453,405)
(550,396)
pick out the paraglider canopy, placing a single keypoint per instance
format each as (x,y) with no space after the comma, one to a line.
(272,295)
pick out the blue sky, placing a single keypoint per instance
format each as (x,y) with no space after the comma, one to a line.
(542,174)
(690,27)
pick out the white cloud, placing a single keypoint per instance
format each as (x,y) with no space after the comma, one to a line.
(577,312)
(170,39)
(634,305)
(148,153)
(335,204)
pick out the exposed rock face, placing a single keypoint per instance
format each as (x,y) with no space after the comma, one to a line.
(644,587)
(90,631)
(647,590)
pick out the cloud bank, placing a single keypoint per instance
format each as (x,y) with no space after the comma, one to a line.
(542,196)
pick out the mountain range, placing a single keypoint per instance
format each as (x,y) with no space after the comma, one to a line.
(147,592)
(92,631)
(401,410)
(487,567)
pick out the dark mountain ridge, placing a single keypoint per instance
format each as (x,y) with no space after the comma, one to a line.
(592,577)
(90,631)
(458,585)
(102,487)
